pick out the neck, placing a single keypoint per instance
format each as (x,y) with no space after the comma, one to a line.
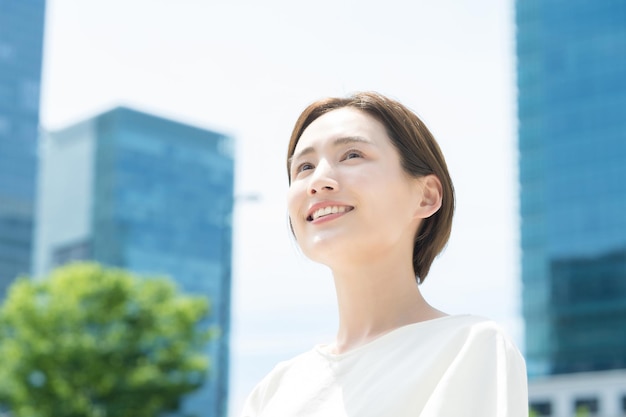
(375,298)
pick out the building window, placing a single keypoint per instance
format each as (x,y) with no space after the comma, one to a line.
(6,51)
(6,93)
(29,95)
(587,406)
(541,408)
(5,125)
(74,252)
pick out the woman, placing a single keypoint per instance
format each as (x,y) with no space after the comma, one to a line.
(370,197)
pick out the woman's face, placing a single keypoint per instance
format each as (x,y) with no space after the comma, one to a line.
(349,198)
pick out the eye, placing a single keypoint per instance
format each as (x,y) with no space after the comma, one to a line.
(305,166)
(351,154)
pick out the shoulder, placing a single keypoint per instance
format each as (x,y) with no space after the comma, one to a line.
(482,346)
(479,331)
(477,349)
(468,326)
(472,338)
(268,386)
(462,327)
(464,321)
(488,331)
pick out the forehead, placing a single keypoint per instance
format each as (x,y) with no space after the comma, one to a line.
(340,123)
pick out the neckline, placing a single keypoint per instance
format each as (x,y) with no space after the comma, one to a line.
(325,349)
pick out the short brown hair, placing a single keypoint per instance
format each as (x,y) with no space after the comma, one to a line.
(420,155)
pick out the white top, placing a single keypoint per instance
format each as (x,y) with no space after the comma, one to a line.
(454,366)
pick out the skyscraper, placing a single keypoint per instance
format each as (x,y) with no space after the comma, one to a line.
(571,65)
(151,195)
(21,43)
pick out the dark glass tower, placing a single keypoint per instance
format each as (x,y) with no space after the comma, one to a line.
(571,66)
(21,43)
(151,195)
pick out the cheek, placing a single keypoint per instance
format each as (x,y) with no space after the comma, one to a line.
(295,199)
(295,210)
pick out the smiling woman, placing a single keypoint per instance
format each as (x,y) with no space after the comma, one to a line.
(370,196)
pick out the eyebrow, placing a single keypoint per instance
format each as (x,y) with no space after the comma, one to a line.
(337,142)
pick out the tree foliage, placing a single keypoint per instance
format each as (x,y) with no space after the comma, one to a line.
(91,341)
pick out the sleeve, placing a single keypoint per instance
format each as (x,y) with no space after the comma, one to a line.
(487,378)
(258,398)
(253,406)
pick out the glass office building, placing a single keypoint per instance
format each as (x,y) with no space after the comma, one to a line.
(571,66)
(150,195)
(21,43)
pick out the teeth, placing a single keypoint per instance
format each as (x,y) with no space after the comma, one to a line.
(328,210)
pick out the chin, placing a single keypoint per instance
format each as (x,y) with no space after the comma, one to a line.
(320,250)
(329,251)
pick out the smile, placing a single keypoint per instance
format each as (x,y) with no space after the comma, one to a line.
(325,211)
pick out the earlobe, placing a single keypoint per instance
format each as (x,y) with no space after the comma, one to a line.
(431,196)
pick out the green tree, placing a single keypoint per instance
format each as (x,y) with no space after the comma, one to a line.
(91,341)
(582,411)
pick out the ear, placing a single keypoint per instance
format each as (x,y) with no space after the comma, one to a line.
(431,196)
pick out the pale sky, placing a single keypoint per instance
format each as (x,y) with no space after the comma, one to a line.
(248,68)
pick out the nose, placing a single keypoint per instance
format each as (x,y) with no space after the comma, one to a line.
(323,179)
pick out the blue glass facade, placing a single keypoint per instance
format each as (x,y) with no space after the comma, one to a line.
(21,43)
(571,66)
(162,204)
(160,199)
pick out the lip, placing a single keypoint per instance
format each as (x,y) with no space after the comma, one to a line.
(324,204)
